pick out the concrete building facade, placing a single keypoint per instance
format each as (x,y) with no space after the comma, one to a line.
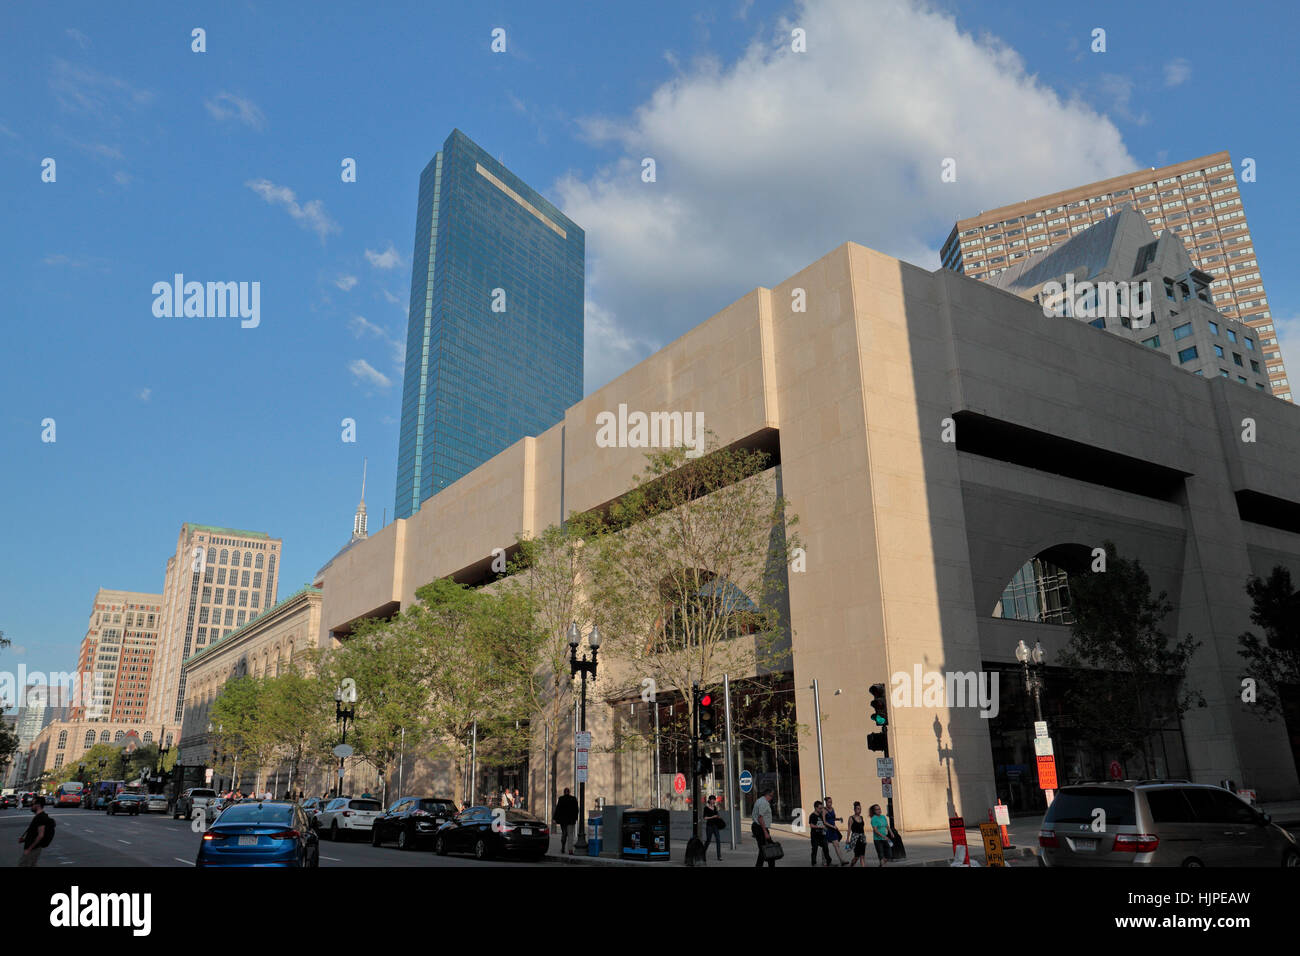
(934,435)
(1198,200)
(63,742)
(117,655)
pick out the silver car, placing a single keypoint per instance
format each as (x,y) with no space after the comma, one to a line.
(1159,823)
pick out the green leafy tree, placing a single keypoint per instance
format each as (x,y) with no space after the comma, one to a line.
(1130,677)
(299,718)
(1273,658)
(689,582)
(240,726)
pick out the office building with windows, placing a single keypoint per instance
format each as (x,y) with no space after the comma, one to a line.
(116,662)
(217,581)
(494,339)
(1199,201)
(1116,275)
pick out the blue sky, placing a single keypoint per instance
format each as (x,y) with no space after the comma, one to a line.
(225,166)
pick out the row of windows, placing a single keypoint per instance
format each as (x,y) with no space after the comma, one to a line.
(103,738)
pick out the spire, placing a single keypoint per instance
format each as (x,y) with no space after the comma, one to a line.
(359,520)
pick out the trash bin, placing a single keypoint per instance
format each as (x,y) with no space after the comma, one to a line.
(644,835)
(593,841)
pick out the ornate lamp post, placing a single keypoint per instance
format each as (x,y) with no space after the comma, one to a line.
(341,717)
(585,668)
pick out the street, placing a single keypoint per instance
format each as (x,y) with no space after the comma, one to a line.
(92,838)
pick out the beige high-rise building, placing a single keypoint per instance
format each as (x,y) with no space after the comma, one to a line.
(1197,200)
(117,656)
(218,580)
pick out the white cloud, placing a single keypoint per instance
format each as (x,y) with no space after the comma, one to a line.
(360,326)
(1119,90)
(121,177)
(83,41)
(227,106)
(79,89)
(396,300)
(346,283)
(311,215)
(767,163)
(388,259)
(1177,72)
(144,394)
(363,373)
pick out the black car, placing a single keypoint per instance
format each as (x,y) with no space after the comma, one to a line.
(9,800)
(131,803)
(412,820)
(28,797)
(487,832)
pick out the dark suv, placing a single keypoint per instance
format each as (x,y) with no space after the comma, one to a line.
(1159,823)
(412,820)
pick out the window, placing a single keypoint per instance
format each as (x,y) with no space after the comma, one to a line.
(1153,342)
(1250,343)
(230,616)
(234,558)
(1223,373)
(1169,290)
(221,575)
(1241,379)
(1183,331)
(248,559)
(148,736)
(1214,328)
(118,736)
(1038,591)
(1254,366)
(1218,350)
(219,599)
(1236,358)
(258,562)
(212,555)
(225,556)
(1232,336)
(1186,355)
(243,580)
(90,740)
(63,739)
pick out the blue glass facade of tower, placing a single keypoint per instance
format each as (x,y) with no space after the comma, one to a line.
(478,380)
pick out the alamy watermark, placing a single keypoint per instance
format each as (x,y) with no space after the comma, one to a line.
(624,429)
(951,689)
(1097,300)
(213,300)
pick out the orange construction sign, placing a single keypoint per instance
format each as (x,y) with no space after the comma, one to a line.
(1047,773)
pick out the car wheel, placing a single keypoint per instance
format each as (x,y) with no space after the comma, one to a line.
(480,849)
(175,815)
(1291,858)
(334,831)
(404,841)
(440,846)
(1192,864)
(374,837)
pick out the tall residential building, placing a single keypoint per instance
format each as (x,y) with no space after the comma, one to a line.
(1117,276)
(495,329)
(117,655)
(1197,200)
(218,580)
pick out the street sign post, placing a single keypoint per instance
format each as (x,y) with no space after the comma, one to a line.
(884,767)
(1040,728)
(1043,747)
(992,845)
(746,781)
(582,749)
(887,787)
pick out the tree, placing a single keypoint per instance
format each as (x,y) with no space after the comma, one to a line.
(8,747)
(1130,679)
(479,653)
(298,718)
(550,572)
(1273,660)
(239,725)
(690,579)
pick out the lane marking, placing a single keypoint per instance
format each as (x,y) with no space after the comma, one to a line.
(189,862)
(127,842)
(332,859)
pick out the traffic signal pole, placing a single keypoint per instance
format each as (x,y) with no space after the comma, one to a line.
(695,760)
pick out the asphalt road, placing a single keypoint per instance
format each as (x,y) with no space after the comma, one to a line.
(92,838)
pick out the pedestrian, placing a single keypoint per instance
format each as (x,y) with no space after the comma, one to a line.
(267,795)
(761,827)
(38,834)
(713,825)
(566,815)
(817,833)
(858,835)
(880,835)
(519,803)
(833,834)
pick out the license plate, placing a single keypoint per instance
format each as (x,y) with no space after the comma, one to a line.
(248,841)
(528,831)
(1085,846)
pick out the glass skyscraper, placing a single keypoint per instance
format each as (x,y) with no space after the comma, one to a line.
(494,338)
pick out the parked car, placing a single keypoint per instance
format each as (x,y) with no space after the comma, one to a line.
(486,833)
(411,821)
(312,806)
(348,815)
(192,798)
(27,798)
(1160,823)
(156,803)
(260,833)
(9,801)
(124,802)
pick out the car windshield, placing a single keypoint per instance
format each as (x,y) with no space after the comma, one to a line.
(437,806)
(257,813)
(1080,805)
(203,793)
(364,805)
(518,816)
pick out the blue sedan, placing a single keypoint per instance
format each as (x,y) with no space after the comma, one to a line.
(263,833)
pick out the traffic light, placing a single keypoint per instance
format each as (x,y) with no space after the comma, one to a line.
(708,716)
(703,765)
(880,718)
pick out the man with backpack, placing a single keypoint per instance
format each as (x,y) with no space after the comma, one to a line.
(38,835)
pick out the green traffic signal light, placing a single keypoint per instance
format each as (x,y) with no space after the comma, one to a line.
(880,710)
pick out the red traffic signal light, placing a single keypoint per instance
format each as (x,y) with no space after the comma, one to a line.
(706,701)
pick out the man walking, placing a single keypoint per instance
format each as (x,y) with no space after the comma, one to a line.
(761,827)
(34,838)
(566,815)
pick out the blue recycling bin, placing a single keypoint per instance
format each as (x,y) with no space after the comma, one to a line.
(593,841)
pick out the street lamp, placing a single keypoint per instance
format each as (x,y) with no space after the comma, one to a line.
(1033,677)
(583,667)
(341,716)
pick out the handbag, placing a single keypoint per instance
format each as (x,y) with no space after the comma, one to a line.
(772,851)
